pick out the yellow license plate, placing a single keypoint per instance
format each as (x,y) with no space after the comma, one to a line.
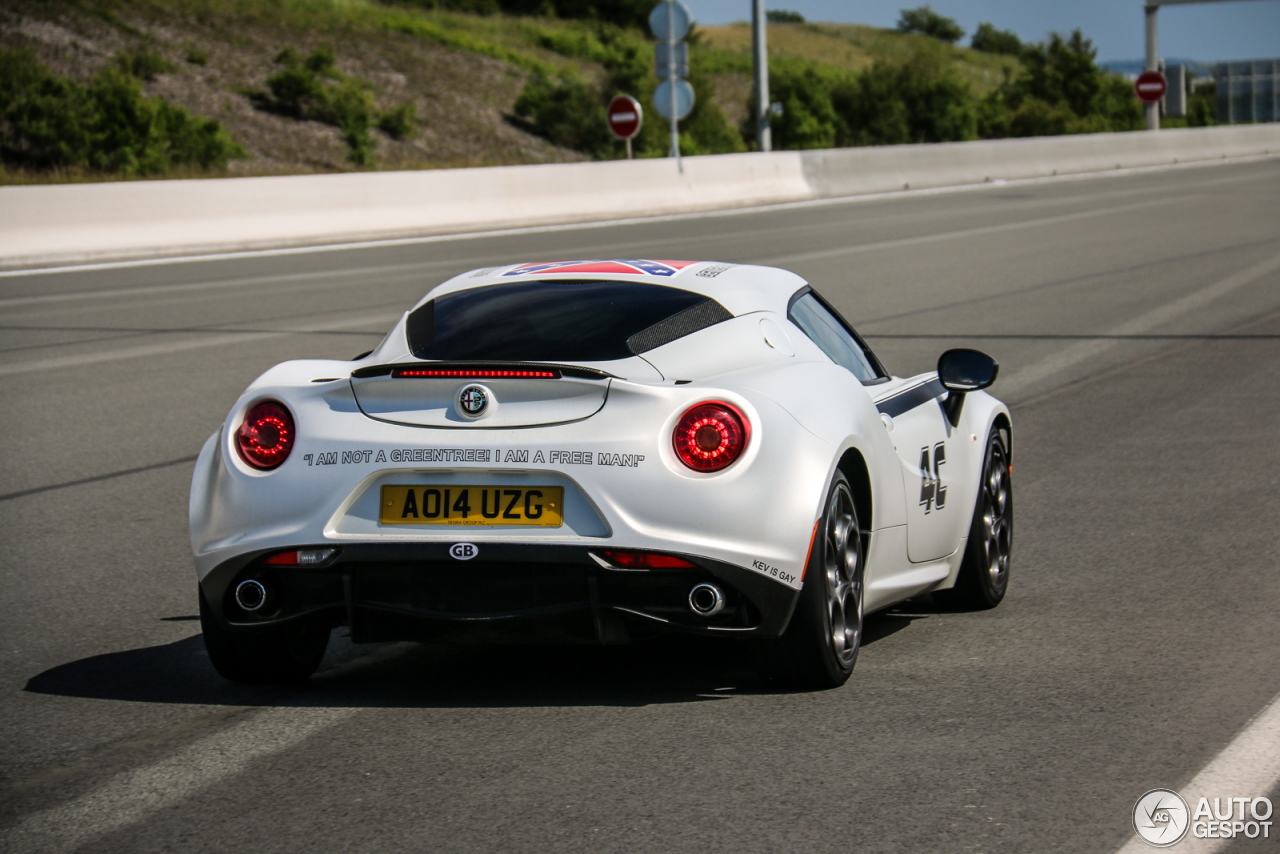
(472,505)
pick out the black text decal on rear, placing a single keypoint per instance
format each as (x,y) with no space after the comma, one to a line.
(632,460)
(932,492)
(472,455)
(769,569)
(574,458)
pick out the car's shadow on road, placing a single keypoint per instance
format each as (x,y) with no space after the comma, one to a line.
(673,669)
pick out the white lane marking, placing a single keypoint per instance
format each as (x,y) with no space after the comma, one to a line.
(610,223)
(1248,767)
(115,293)
(207,339)
(133,795)
(1025,378)
(970,232)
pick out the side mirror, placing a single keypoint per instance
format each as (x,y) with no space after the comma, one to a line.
(962,371)
(966,370)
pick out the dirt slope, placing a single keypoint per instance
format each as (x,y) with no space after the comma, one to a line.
(462,98)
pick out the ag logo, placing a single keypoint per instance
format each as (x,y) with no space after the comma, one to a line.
(473,400)
(463,551)
(1161,818)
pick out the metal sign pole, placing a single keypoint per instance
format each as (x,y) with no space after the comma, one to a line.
(1152,109)
(671,78)
(760,55)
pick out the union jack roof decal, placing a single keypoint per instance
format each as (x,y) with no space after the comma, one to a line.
(634,267)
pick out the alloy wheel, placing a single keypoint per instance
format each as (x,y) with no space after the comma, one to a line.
(842,565)
(997,517)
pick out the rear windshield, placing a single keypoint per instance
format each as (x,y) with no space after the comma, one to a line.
(564,321)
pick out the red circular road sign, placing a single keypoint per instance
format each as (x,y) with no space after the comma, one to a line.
(624,116)
(1150,86)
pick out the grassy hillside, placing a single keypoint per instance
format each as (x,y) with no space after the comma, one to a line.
(332,85)
(455,71)
(847,47)
(855,47)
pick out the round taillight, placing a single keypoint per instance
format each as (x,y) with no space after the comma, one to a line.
(266,435)
(710,436)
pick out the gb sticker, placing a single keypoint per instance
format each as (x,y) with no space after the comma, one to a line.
(463,551)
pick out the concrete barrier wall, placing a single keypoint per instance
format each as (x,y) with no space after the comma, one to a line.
(854,171)
(84,222)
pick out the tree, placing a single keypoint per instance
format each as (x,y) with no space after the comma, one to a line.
(809,117)
(920,100)
(1061,90)
(990,40)
(927,22)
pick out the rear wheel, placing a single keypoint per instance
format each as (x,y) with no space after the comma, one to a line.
(821,645)
(286,653)
(984,571)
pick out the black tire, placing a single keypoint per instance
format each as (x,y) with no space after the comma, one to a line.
(984,571)
(287,653)
(820,646)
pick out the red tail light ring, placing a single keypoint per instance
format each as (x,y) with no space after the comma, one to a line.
(711,436)
(266,435)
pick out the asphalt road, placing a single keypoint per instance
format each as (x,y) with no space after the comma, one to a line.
(1137,320)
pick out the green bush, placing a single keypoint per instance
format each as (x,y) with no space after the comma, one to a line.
(143,65)
(783,16)
(1060,91)
(1202,109)
(313,88)
(399,123)
(988,39)
(568,109)
(809,117)
(475,7)
(296,91)
(626,13)
(920,100)
(49,122)
(874,111)
(927,22)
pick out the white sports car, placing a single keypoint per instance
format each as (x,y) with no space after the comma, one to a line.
(600,451)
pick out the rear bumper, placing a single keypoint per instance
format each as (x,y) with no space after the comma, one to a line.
(511,592)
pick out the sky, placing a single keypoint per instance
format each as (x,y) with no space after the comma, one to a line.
(1207,32)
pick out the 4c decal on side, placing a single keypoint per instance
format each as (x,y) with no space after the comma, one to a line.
(932,492)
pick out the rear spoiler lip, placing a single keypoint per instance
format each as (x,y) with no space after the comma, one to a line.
(575,371)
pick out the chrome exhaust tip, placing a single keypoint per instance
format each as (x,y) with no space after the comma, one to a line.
(706,600)
(251,595)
